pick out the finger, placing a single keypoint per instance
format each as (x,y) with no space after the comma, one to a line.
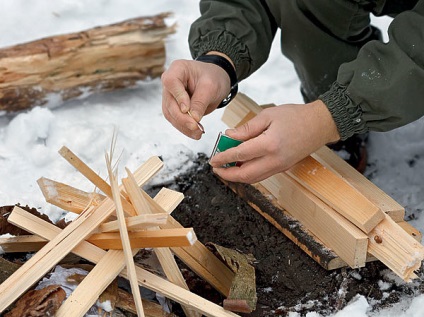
(246,151)
(181,121)
(205,97)
(250,129)
(175,81)
(250,172)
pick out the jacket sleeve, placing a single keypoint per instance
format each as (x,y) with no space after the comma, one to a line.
(383,88)
(241,29)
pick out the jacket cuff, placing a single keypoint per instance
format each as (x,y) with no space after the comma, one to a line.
(227,43)
(346,115)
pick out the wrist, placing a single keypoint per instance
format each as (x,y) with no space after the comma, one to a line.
(223,61)
(326,123)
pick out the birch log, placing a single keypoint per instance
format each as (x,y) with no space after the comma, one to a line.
(68,66)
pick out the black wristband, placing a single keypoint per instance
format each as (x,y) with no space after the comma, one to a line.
(225,65)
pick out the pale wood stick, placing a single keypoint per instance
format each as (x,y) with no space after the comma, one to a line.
(335,163)
(136,222)
(128,252)
(67,197)
(329,226)
(393,246)
(145,278)
(165,257)
(337,193)
(24,243)
(181,237)
(92,176)
(163,238)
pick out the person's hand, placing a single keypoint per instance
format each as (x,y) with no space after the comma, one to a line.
(276,139)
(192,86)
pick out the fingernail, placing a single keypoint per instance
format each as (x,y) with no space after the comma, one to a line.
(184,108)
(192,126)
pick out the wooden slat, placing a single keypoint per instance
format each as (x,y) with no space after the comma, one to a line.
(164,255)
(25,243)
(93,177)
(411,230)
(136,223)
(145,278)
(267,206)
(337,193)
(125,240)
(181,237)
(67,197)
(330,227)
(393,246)
(335,163)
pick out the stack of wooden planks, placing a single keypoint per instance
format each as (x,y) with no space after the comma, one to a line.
(108,232)
(348,220)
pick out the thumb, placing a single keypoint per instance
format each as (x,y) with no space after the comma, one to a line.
(250,129)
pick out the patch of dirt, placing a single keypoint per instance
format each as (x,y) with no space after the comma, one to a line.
(287,279)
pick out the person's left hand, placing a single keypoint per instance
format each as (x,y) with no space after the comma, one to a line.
(276,139)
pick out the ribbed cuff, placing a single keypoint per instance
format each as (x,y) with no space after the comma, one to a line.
(346,115)
(228,44)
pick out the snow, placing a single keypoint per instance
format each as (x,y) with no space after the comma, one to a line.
(29,141)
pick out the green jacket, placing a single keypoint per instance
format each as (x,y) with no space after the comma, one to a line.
(338,56)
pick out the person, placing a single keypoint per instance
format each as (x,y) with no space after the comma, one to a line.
(352,82)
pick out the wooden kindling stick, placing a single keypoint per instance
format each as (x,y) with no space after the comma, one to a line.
(165,256)
(128,252)
(83,168)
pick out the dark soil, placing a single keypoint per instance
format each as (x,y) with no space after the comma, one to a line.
(286,278)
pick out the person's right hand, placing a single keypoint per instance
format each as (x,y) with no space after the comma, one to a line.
(195,86)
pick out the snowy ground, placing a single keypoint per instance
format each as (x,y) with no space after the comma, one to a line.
(29,141)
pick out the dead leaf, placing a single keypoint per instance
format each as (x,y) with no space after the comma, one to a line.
(38,303)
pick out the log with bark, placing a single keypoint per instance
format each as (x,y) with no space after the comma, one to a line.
(71,65)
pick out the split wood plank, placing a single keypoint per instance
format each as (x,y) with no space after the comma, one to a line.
(337,193)
(399,251)
(94,254)
(135,223)
(164,255)
(176,237)
(125,240)
(260,199)
(387,204)
(60,246)
(164,238)
(330,227)
(92,176)
(66,197)
(24,243)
